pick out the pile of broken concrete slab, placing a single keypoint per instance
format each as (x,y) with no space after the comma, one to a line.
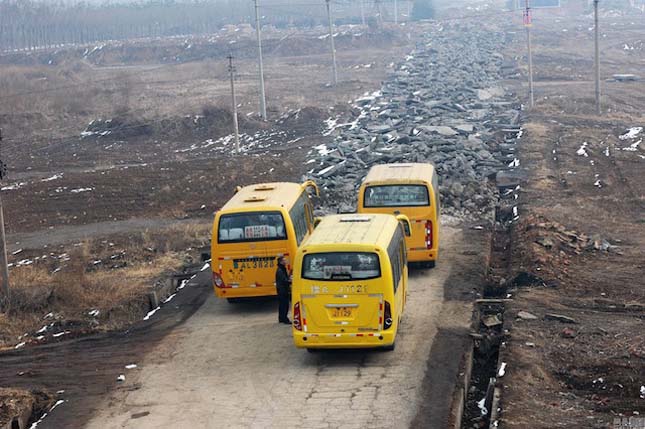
(443,104)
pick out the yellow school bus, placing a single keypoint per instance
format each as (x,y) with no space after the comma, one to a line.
(412,190)
(350,280)
(257,225)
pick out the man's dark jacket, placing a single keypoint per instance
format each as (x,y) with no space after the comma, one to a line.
(282,282)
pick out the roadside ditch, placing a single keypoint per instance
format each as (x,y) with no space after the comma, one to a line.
(476,404)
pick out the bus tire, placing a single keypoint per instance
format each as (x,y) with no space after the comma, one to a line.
(310,350)
(431,264)
(232,300)
(390,348)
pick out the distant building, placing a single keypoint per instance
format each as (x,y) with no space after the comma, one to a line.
(565,5)
(537,4)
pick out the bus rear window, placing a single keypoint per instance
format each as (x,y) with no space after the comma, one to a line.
(396,196)
(341,266)
(251,226)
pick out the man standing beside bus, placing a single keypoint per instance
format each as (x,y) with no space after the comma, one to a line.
(283,286)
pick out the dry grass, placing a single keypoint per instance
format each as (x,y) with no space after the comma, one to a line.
(117,290)
(20,402)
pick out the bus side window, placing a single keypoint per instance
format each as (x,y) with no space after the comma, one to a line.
(298,215)
(394,252)
(310,216)
(404,255)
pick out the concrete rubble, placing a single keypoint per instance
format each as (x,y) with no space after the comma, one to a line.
(443,104)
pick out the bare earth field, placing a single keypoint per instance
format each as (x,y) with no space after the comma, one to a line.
(581,234)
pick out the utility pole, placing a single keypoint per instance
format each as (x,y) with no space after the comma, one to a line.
(331,38)
(379,15)
(527,24)
(597,56)
(263,104)
(396,12)
(231,71)
(4,268)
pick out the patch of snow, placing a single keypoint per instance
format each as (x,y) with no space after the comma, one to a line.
(151,313)
(482,407)
(167,300)
(631,133)
(20,345)
(13,187)
(54,177)
(583,150)
(633,147)
(131,366)
(79,190)
(502,370)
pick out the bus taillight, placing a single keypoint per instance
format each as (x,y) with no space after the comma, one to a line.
(217,280)
(387,316)
(297,317)
(428,234)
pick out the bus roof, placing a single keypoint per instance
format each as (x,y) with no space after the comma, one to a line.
(409,172)
(363,229)
(265,195)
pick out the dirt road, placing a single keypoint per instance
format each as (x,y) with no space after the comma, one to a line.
(234,364)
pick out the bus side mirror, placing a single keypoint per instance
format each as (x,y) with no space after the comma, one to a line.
(311,184)
(317,220)
(405,223)
(238,189)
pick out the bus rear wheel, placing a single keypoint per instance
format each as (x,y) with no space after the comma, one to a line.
(389,348)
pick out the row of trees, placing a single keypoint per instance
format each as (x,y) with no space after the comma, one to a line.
(32,24)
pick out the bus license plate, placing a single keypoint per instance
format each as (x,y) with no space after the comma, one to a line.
(342,312)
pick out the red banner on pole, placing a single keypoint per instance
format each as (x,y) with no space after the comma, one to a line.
(527,17)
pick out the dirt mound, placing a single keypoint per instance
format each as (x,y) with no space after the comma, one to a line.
(211,122)
(303,120)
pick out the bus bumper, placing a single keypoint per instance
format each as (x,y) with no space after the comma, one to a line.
(343,341)
(245,291)
(422,255)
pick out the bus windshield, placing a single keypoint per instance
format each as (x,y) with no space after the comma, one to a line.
(396,196)
(341,266)
(251,226)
